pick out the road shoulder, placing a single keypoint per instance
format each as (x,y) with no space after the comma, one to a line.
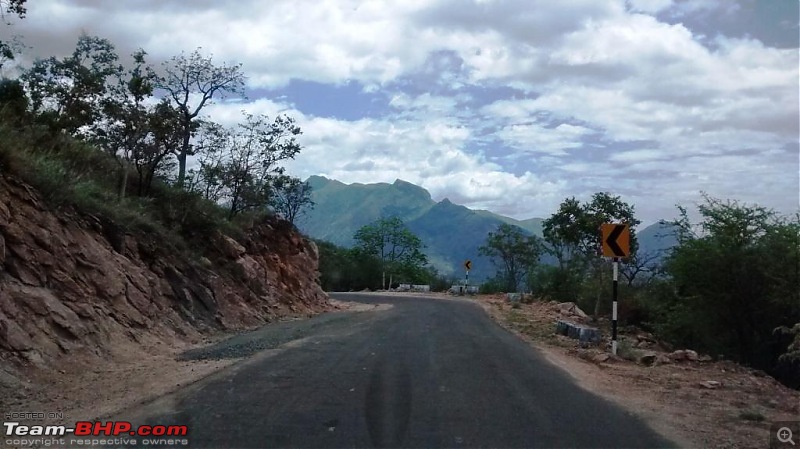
(676,399)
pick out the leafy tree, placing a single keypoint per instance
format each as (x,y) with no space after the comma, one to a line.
(572,235)
(513,252)
(123,131)
(291,197)
(343,269)
(240,166)
(253,153)
(13,101)
(150,160)
(558,283)
(735,280)
(574,230)
(392,244)
(71,91)
(210,147)
(563,232)
(191,83)
(17,8)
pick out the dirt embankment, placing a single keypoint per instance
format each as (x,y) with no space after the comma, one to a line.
(77,295)
(687,397)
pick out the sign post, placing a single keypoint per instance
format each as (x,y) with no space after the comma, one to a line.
(616,243)
(614,308)
(467,267)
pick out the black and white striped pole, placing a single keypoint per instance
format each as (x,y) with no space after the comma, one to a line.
(467,266)
(615,242)
(614,308)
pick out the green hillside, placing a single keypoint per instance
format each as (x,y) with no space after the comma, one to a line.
(532,225)
(341,209)
(452,233)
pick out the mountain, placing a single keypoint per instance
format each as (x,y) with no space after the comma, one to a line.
(341,209)
(657,239)
(451,232)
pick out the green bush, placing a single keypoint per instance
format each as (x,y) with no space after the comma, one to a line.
(493,285)
(627,351)
(557,283)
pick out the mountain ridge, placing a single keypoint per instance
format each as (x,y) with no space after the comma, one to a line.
(451,232)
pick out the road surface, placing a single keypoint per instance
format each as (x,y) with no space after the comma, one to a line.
(422,373)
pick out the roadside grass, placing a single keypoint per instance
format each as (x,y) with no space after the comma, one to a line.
(627,351)
(521,319)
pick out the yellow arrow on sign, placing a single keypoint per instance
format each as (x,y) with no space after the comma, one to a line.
(468,265)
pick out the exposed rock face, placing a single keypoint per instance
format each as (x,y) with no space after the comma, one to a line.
(72,283)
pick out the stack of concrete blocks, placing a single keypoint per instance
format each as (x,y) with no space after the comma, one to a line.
(461,289)
(420,288)
(584,334)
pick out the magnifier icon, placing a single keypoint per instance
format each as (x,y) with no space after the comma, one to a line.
(785,435)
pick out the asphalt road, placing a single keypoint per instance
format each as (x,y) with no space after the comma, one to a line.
(425,373)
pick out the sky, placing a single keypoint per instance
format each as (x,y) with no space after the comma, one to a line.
(505,105)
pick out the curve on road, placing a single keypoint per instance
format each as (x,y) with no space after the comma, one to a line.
(426,372)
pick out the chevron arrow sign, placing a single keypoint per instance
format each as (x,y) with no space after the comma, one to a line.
(616,239)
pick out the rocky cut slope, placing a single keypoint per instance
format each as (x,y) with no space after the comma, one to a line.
(72,284)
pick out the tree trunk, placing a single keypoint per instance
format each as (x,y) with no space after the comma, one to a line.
(383,280)
(599,277)
(182,158)
(124,186)
(181,169)
(151,172)
(391,279)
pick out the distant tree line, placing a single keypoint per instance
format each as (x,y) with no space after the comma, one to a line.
(730,288)
(385,254)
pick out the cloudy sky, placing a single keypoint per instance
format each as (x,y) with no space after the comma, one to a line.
(503,105)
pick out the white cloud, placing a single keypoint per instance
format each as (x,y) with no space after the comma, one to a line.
(687,7)
(650,6)
(608,88)
(535,138)
(645,155)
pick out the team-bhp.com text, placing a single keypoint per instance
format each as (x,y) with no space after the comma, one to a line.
(120,431)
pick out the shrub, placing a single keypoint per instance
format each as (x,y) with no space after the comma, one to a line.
(627,351)
(493,285)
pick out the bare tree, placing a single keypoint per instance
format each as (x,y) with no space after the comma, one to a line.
(239,166)
(191,82)
(640,264)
